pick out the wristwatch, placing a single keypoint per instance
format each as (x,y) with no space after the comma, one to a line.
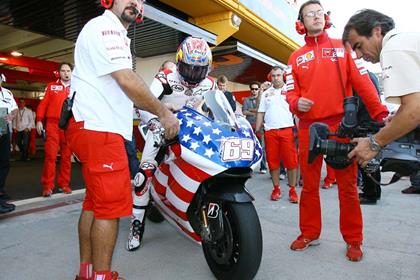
(374,146)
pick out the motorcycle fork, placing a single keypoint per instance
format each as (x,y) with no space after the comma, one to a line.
(211,216)
(205,229)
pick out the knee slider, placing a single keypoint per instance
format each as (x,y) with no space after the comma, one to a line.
(140,181)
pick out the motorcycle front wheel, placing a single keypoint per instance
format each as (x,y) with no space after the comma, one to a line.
(237,254)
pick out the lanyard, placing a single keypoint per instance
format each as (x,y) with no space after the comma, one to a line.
(21,113)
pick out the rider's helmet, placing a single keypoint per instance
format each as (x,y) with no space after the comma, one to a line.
(193,61)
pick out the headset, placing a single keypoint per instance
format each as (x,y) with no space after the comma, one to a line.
(300,26)
(270,79)
(107,4)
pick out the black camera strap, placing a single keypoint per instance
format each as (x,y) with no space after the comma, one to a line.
(395,178)
(71,100)
(66,112)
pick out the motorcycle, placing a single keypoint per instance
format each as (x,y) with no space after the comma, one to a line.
(402,156)
(199,186)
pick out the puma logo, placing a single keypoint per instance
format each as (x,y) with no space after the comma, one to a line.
(108,166)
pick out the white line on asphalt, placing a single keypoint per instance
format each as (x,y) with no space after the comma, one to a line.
(41,198)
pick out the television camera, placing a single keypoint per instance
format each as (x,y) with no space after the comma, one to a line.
(401,156)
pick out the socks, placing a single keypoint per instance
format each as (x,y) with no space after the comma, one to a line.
(85,270)
(102,275)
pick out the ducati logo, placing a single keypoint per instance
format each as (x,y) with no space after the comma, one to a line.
(213,210)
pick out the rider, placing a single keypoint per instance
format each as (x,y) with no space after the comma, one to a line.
(175,88)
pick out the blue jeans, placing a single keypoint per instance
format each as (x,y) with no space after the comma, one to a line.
(22,139)
(133,161)
(263,165)
(415,180)
(4,158)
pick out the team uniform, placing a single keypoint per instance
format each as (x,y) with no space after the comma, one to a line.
(6,101)
(278,129)
(49,110)
(325,72)
(102,116)
(168,87)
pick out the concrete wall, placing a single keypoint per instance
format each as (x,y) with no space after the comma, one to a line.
(148,67)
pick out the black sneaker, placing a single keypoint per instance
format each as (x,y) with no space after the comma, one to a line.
(6,207)
(366,200)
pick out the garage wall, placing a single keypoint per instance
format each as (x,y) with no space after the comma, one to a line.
(148,67)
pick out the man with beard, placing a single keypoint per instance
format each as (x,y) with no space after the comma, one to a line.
(104,88)
(373,37)
(49,111)
(274,113)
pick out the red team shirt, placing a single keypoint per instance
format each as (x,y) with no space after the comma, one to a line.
(50,106)
(307,77)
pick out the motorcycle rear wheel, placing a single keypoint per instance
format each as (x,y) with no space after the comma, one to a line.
(153,214)
(237,255)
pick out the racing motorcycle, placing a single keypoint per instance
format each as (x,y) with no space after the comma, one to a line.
(199,186)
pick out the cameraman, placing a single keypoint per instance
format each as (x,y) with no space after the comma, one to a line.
(319,76)
(372,36)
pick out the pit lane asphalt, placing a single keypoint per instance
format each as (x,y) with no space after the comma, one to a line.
(39,241)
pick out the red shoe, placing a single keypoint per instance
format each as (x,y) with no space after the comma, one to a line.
(114,276)
(293,197)
(354,252)
(301,243)
(47,193)
(66,190)
(81,278)
(276,194)
(327,186)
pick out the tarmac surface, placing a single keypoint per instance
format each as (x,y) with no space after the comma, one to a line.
(24,179)
(39,241)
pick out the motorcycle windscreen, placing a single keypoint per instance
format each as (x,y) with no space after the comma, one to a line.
(218,109)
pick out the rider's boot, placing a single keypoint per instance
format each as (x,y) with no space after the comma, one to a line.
(140,202)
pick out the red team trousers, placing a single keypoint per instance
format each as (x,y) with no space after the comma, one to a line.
(351,223)
(56,141)
(105,171)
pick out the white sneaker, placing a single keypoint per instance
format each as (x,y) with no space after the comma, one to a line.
(135,236)
(282,176)
(263,171)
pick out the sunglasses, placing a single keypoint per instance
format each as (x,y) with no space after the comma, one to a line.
(254,89)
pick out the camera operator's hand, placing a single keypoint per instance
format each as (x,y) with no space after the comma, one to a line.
(304,104)
(362,152)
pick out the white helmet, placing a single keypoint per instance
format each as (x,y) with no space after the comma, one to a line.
(193,60)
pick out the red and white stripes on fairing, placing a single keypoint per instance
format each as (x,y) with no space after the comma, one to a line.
(175,184)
